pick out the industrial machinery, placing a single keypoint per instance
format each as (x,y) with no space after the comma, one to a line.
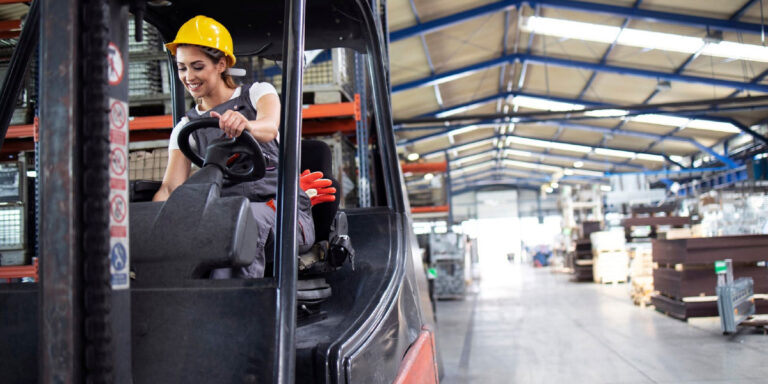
(448,258)
(735,302)
(123,295)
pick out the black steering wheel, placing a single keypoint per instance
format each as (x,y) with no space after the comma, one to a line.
(219,151)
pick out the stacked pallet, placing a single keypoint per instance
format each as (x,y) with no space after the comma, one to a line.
(641,273)
(684,273)
(582,260)
(147,165)
(582,256)
(609,255)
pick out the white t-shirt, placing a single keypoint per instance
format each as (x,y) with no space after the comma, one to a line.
(256,91)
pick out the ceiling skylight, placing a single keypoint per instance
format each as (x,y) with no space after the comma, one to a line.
(674,121)
(548,144)
(643,39)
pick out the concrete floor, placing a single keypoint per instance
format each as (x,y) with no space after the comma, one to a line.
(526,325)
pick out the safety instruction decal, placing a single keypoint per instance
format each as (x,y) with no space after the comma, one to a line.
(116,66)
(119,252)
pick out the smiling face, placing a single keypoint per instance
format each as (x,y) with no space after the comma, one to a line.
(197,71)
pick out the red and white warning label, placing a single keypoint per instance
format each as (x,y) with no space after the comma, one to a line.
(119,252)
(116,66)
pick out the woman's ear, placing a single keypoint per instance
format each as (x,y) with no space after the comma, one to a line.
(221,66)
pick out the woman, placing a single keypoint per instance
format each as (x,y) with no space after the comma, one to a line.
(204,53)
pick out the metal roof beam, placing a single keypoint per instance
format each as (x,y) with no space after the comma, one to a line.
(474,187)
(722,158)
(570,63)
(450,20)
(551,155)
(744,8)
(626,12)
(497,170)
(589,104)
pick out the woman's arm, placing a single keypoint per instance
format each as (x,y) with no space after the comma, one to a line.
(176,173)
(263,129)
(267,120)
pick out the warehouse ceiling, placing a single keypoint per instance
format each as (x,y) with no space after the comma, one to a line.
(621,62)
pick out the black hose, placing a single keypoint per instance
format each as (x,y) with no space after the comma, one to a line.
(94,136)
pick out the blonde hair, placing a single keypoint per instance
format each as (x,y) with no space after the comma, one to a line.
(215,55)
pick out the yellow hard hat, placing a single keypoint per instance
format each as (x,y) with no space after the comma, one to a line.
(206,32)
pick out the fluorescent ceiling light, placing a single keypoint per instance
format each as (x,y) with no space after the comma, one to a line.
(686,123)
(605,188)
(548,144)
(607,113)
(568,172)
(733,50)
(412,156)
(459,131)
(429,176)
(675,121)
(544,104)
(584,172)
(614,153)
(515,152)
(432,155)
(523,164)
(661,120)
(471,158)
(713,126)
(643,39)
(456,111)
(474,167)
(578,164)
(650,157)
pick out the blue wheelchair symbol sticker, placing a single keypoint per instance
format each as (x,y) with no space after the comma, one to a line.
(118,257)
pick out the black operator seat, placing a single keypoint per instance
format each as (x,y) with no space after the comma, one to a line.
(332,244)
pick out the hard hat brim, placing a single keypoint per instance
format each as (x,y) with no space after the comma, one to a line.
(174,44)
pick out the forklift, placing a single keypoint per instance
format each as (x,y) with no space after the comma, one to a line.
(123,294)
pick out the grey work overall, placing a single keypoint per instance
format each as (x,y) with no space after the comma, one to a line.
(258,192)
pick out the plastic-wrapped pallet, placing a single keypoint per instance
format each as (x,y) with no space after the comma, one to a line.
(608,240)
(609,255)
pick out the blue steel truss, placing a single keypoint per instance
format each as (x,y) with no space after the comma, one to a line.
(570,63)
(626,12)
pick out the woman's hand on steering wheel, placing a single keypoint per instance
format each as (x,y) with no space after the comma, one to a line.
(233,123)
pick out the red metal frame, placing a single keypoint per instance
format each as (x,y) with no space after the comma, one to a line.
(19,271)
(419,364)
(424,167)
(438,208)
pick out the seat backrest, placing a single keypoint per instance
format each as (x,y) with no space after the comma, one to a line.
(316,156)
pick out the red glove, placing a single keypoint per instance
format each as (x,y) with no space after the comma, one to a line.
(318,189)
